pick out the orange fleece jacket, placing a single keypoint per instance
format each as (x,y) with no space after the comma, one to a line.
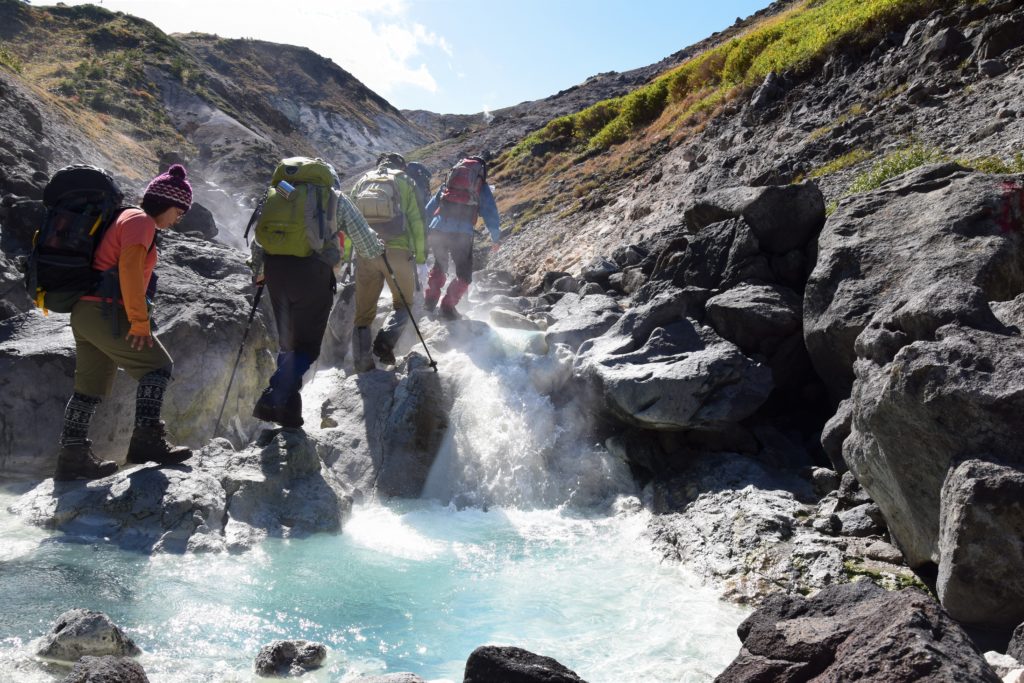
(131,270)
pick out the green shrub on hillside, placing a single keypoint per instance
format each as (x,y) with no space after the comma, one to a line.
(893,164)
(792,41)
(993,164)
(839,163)
(637,109)
(9,60)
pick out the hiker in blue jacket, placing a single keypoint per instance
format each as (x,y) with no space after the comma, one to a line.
(453,213)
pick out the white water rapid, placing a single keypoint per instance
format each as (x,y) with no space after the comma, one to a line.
(527,535)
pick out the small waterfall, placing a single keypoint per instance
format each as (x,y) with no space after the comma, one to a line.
(511,446)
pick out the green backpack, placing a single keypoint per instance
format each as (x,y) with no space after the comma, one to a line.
(379,199)
(298,213)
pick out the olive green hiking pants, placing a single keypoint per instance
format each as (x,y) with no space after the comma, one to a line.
(99,353)
(371,274)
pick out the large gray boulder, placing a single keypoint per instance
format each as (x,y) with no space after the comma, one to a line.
(916,415)
(765,319)
(743,528)
(981,567)
(755,317)
(368,434)
(491,663)
(722,255)
(81,632)
(581,318)
(782,218)
(200,220)
(203,302)
(858,632)
(655,369)
(13,297)
(384,427)
(218,500)
(934,223)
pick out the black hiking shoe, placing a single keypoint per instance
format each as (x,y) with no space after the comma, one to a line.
(429,305)
(288,415)
(264,409)
(79,462)
(385,354)
(149,444)
(449,313)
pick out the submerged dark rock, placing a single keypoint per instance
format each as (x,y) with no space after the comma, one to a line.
(285,658)
(491,663)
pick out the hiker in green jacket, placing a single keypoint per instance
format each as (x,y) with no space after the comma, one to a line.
(386,197)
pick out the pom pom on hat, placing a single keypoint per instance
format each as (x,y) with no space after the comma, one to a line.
(171,187)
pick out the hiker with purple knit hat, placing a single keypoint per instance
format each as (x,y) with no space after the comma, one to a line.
(112,330)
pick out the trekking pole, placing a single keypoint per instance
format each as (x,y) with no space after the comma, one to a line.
(241,347)
(412,317)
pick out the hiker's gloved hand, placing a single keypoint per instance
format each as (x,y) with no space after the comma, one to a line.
(139,335)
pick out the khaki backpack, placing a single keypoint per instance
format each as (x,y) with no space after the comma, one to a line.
(379,199)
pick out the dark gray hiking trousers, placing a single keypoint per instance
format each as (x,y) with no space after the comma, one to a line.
(301,293)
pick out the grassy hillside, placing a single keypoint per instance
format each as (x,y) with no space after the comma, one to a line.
(90,63)
(137,92)
(679,103)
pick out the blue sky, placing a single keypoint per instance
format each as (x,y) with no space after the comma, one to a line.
(453,56)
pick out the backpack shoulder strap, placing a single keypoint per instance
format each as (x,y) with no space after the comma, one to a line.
(255,215)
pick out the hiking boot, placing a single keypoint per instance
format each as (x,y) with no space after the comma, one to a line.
(429,304)
(149,444)
(362,360)
(449,312)
(264,409)
(384,353)
(79,462)
(289,415)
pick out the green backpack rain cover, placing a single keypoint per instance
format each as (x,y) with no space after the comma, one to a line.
(299,222)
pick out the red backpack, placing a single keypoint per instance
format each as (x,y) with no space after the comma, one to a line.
(460,196)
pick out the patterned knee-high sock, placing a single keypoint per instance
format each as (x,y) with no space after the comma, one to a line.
(149,397)
(77,416)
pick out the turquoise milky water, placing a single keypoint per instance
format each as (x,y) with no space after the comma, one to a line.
(531,536)
(414,587)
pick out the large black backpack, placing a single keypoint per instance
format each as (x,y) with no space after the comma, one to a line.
(81,203)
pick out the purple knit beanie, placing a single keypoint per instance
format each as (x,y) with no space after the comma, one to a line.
(171,187)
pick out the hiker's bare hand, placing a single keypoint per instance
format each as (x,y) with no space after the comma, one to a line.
(139,342)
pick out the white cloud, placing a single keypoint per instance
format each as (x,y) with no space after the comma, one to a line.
(375,40)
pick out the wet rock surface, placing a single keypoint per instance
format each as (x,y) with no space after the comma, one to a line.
(514,665)
(203,302)
(81,632)
(855,632)
(287,658)
(287,484)
(106,670)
